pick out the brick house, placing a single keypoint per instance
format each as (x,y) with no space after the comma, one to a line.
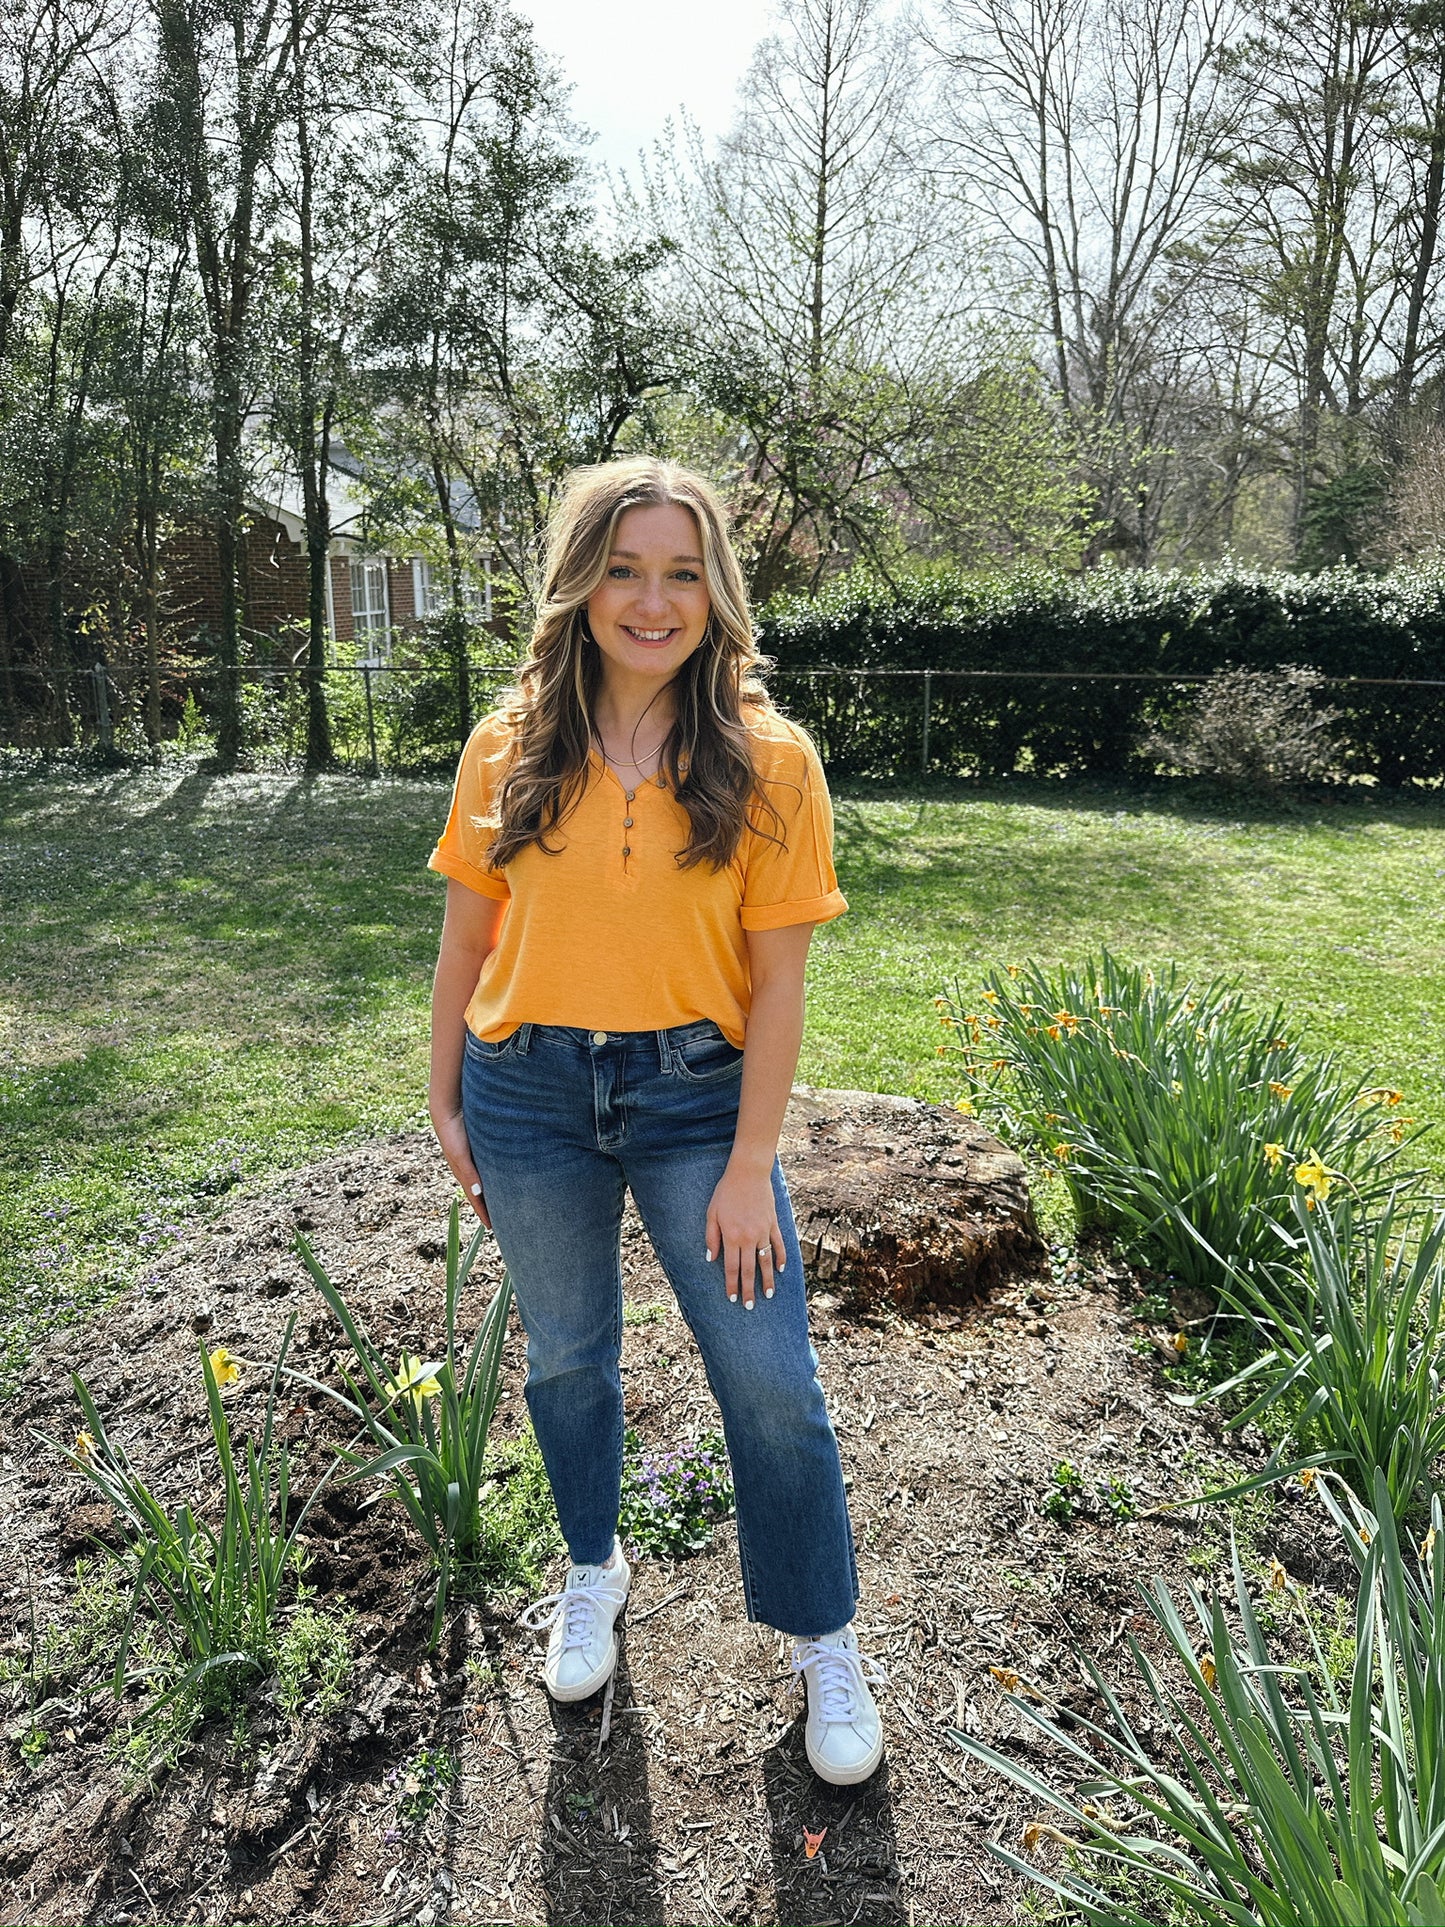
(374,600)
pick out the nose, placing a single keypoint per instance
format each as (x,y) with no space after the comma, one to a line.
(652,599)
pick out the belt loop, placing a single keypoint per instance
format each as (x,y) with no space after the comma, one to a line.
(664,1053)
(524,1039)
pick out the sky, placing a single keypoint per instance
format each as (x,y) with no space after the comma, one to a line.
(635,63)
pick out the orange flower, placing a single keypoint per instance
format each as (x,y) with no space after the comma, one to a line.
(812,1841)
(1307,1477)
(1277,1089)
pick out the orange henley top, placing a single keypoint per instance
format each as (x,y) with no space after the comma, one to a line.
(610,934)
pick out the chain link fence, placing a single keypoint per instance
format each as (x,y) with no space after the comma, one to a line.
(412,719)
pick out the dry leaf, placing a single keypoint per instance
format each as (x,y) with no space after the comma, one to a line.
(812,1841)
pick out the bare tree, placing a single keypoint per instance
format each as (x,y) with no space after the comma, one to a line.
(1087,134)
(821,285)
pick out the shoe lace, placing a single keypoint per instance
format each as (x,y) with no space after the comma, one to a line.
(839,1675)
(575,1606)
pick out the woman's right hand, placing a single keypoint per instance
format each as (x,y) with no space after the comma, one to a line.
(451,1135)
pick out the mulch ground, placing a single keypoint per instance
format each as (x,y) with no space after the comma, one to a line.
(691,1806)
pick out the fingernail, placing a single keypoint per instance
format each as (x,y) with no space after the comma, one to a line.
(780,1267)
(732,1298)
(769,1292)
(708,1256)
(750,1303)
(476,1190)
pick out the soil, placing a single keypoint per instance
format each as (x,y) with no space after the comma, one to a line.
(688,1802)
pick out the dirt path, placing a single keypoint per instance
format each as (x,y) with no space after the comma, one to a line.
(692,1808)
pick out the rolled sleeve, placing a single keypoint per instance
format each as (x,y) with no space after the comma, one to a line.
(471,825)
(790,876)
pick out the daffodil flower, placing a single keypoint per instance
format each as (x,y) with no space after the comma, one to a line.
(1180,1342)
(1274,1155)
(225,1368)
(1307,1477)
(1063,1152)
(84,1447)
(1315,1176)
(413,1381)
(989,996)
(1277,1089)
(1427,1546)
(1206,1669)
(965,1107)
(1278,1577)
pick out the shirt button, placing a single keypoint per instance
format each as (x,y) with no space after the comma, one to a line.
(627,822)
(629,794)
(626,850)
(599,1036)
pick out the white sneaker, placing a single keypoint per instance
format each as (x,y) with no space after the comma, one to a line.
(583,1648)
(844,1735)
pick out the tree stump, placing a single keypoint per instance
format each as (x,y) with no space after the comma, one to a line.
(903,1204)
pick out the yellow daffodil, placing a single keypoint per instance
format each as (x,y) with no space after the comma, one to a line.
(413,1379)
(225,1368)
(1175,1086)
(1278,1577)
(1397,1129)
(989,996)
(999,1064)
(1033,1833)
(1180,1342)
(1190,1004)
(965,1107)
(1277,1089)
(1277,1043)
(994,1022)
(84,1447)
(1274,1155)
(1364,1536)
(1381,1094)
(1066,1020)
(1307,1477)
(940,1003)
(946,1021)
(1013,970)
(1063,1152)
(1206,1669)
(1427,1546)
(1315,1176)
(1007,1678)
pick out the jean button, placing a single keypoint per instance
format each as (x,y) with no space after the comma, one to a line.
(599,1036)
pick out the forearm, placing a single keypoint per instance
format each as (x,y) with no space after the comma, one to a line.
(770,1059)
(458,967)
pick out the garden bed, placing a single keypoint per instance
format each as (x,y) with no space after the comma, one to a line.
(448,1787)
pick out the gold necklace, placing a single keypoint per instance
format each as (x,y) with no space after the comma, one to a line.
(628,762)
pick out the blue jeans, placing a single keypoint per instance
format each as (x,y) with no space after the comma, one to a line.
(561,1125)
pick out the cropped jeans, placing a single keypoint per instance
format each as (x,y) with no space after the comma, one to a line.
(562,1123)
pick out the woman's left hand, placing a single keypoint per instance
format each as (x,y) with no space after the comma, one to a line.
(742,1231)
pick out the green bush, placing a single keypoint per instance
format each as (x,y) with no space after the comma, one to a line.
(1179,1120)
(1248,1789)
(1116,623)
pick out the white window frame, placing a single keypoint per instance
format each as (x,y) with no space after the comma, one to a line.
(429,597)
(371,613)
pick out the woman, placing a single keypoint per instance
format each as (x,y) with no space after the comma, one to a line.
(638,849)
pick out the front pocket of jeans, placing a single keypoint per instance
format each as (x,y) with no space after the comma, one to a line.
(708,1058)
(482,1052)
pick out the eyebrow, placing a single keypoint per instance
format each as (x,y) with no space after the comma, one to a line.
(631,555)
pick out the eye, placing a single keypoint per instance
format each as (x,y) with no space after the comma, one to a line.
(688,575)
(618,570)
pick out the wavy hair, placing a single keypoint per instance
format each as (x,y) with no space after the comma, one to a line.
(706,755)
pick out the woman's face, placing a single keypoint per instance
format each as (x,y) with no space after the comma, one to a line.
(651,607)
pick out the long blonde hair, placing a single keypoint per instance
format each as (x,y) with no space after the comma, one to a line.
(706,754)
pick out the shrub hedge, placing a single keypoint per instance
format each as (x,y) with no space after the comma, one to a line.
(1111,623)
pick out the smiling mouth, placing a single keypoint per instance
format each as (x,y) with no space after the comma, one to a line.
(649,638)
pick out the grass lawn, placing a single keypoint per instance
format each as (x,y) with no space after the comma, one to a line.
(206,980)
